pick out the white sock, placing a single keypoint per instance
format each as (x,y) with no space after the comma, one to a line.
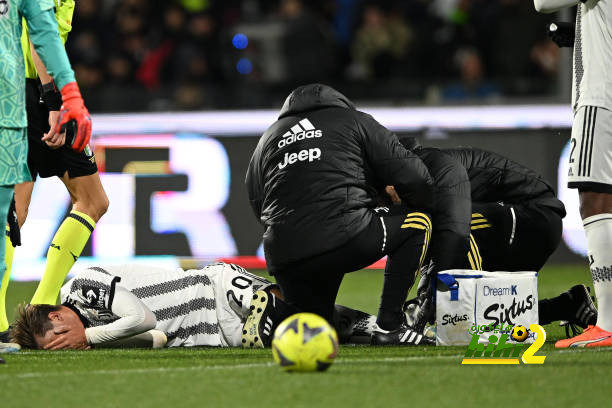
(598,229)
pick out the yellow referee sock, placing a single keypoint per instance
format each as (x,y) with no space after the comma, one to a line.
(65,249)
(8,259)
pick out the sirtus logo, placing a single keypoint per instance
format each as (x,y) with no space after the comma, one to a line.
(505,314)
(453,319)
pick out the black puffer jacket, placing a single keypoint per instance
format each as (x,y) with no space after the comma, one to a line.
(494,178)
(315,173)
(464,175)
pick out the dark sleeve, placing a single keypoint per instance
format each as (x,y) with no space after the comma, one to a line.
(452,211)
(254,183)
(494,178)
(395,166)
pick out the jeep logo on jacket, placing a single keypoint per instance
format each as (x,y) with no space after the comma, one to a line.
(315,174)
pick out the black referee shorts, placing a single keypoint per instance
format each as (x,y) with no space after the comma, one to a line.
(311,285)
(513,237)
(42,160)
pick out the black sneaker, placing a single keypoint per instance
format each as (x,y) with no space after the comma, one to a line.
(402,336)
(259,327)
(353,326)
(583,310)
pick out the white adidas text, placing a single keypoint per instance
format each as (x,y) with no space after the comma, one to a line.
(304,129)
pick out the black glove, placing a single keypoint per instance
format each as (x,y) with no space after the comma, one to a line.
(422,309)
(562,34)
(14,234)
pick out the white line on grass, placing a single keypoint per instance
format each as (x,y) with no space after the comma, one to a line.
(218,367)
(585,350)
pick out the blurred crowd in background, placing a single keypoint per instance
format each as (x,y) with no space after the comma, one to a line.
(133,55)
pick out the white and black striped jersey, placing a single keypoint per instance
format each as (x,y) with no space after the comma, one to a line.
(592,79)
(203,307)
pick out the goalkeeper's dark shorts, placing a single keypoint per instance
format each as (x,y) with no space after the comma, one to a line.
(512,237)
(42,160)
(311,285)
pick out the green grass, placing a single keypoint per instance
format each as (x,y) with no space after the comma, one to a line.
(361,376)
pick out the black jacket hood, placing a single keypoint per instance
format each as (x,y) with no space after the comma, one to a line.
(313,96)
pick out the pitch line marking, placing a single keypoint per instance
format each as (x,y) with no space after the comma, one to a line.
(217,367)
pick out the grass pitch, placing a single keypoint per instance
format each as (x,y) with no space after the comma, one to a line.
(361,376)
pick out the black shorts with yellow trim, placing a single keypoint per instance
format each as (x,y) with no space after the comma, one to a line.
(512,237)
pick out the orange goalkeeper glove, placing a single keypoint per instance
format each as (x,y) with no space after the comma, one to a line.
(73,108)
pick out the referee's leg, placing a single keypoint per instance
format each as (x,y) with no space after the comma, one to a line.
(6,195)
(89,203)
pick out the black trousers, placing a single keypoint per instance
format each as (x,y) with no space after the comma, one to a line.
(311,285)
(513,237)
(520,238)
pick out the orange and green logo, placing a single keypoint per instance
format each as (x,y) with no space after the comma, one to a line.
(497,351)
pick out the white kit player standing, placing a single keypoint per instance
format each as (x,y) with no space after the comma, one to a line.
(590,163)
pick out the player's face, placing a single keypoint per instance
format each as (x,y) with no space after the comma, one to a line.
(62,321)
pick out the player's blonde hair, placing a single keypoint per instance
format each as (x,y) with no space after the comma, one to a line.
(32,321)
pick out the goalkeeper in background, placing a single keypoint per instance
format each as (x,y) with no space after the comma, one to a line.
(49,154)
(43,33)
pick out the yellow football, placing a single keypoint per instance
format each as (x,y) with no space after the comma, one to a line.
(305,342)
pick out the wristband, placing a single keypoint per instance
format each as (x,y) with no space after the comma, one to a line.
(51,97)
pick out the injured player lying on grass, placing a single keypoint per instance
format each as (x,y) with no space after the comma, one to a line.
(141,306)
(150,307)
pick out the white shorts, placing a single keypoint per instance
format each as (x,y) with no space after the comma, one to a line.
(590,162)
(234,288)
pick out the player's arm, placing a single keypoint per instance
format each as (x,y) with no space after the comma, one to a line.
(452,208)
(43,31)
(396,166)
(53,101)
(51,96)
(551,6)
(134,318)
(149,339)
